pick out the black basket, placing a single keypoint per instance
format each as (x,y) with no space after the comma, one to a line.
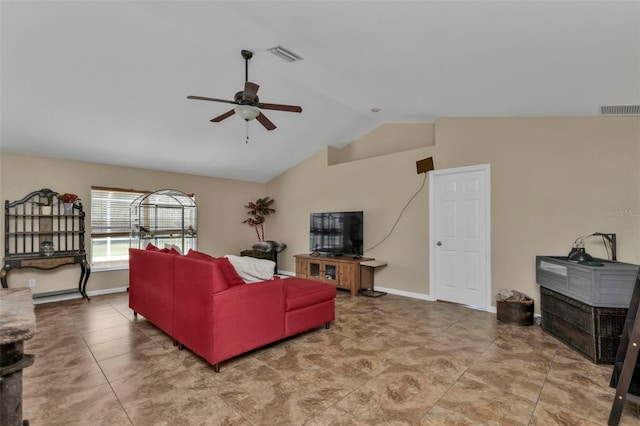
(592,331)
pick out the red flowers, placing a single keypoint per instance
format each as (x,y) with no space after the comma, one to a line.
(68,198)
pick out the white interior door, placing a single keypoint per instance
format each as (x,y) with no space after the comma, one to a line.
(460,261)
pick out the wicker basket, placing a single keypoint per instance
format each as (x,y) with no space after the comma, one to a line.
(518,313)
(592,331)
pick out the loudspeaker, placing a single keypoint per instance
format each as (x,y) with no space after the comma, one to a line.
(425,165)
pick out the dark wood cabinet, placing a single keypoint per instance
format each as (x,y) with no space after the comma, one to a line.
(41,233)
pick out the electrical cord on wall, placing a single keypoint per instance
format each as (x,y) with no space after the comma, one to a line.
(424,180)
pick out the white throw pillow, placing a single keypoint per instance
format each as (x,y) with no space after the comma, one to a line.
(252,270)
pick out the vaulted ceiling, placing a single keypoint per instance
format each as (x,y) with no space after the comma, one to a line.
(107,81)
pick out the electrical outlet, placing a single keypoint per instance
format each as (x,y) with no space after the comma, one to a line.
(32,282)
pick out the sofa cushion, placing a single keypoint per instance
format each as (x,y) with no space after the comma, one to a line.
(230,274)
(151,247)
(199,255)
(252,270)
(265,246)
(269,245)
(300,293)
(200,272)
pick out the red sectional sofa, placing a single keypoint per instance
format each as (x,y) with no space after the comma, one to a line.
(204,305)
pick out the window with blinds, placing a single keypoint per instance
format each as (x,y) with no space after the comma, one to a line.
(110,226)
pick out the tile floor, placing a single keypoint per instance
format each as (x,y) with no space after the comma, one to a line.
(386,361)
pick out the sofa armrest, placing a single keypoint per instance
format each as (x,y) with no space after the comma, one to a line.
(151,287)
(221,325)
(246,317)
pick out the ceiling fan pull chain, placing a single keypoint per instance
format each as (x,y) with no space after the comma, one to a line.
(247,124)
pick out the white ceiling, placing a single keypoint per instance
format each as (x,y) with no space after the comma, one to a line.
(107,81)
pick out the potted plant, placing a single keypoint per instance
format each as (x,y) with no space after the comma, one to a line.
(258,211)
(68,200)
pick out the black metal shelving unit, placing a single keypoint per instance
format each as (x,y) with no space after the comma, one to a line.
(40,233)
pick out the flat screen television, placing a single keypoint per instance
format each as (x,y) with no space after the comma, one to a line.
(336,234)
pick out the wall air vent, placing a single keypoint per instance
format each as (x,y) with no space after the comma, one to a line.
(285,54)
(620,110)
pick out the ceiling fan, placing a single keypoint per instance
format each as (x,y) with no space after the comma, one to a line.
(248,105)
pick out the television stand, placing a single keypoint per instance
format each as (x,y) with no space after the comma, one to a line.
(343,272)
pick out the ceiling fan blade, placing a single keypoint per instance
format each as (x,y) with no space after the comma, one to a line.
(279,107)
(200,98)
(265,122)
(250,91)
(223,116)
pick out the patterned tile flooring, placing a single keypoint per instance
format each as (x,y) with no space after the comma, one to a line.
(385,361)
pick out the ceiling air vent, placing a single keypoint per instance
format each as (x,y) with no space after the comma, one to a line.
(285,54)
(620,110)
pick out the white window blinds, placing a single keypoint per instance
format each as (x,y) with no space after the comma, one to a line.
(110,209)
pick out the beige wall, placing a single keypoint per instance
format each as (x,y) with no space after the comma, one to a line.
(552,180)
(375,174)
(220,208)
(389,138)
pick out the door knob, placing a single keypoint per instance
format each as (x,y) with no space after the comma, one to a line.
(438,243)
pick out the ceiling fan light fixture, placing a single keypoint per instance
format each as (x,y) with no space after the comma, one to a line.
(285,54)
(248,107)
(247,112)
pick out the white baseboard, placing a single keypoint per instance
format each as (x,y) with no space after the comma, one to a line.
(405,293)
(69,296)
(386,290)
(107,291)
(428,297)
(77,295)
